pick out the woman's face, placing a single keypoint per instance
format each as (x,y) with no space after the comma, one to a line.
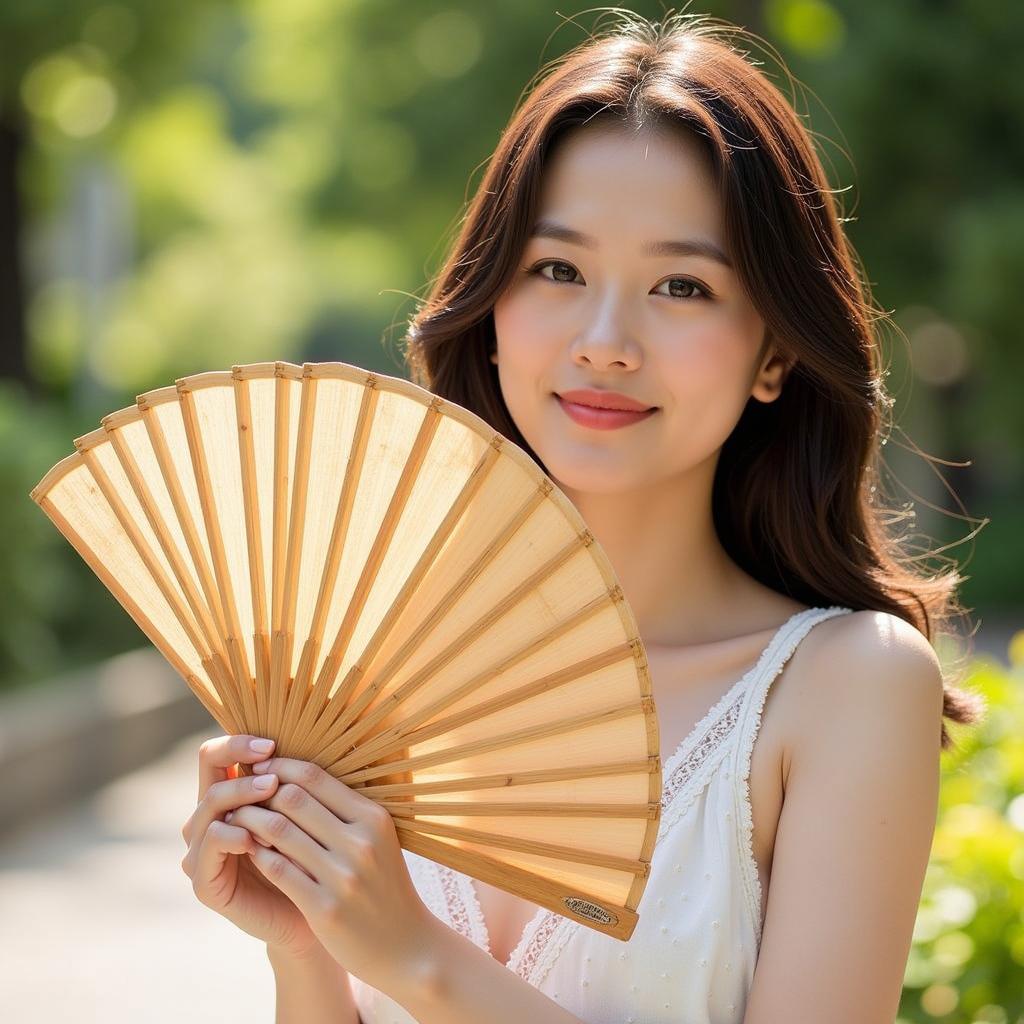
(675,331)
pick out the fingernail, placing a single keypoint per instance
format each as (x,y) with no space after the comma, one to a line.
(262,746)
(264,781)
(229,816)
(261,766)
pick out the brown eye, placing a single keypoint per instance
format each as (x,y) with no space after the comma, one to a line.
(555,265)
(687,290)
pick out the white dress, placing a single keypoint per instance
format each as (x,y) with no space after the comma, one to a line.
(691,957)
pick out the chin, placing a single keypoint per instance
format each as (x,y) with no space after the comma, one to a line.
(600,474)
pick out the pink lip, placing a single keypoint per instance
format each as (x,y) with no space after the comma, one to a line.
(601,419)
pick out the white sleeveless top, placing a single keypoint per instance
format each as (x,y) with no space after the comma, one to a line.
(692,954)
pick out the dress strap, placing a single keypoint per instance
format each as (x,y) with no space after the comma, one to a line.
(747,727)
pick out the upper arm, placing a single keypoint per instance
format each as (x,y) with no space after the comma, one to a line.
(856,828)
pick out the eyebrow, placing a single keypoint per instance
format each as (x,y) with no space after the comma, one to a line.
(688,247)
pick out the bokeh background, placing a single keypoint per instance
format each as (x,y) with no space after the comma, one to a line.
(188,185)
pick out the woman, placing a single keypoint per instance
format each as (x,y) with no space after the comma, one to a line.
(655,233)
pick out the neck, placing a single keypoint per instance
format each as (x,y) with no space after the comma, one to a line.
(661,541)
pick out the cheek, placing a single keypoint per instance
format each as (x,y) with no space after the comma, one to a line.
(517,325)
(706,376)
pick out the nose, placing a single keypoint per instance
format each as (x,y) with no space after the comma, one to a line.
(605,343)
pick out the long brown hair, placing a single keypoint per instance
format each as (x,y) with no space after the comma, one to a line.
(796,499)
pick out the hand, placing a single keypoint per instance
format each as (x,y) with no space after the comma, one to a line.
(336,855)
(223,878)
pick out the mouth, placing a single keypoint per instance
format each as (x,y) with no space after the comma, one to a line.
(618,404)
(597,418)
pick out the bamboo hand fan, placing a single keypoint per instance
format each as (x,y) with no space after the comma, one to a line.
(382,583)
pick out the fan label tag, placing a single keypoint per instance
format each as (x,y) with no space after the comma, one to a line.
(590,910)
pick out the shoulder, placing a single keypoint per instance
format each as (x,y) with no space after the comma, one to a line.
(857,822)
(861,672)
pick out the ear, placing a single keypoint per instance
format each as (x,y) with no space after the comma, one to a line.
(494,358)
(771,374)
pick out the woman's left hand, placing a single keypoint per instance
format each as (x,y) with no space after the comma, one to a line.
(336,855)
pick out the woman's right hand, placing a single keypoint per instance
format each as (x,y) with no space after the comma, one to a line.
(223,877)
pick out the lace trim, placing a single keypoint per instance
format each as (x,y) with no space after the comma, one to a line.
(696,768)
(462,919)
(685,783)
(524,962)
(741,787)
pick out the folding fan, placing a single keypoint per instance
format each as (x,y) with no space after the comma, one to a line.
(382,583)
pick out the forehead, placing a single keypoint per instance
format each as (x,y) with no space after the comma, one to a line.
(606,179)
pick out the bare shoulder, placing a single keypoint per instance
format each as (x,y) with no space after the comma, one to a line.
(852,670)
(864,713)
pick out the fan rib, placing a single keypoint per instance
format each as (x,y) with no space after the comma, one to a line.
(460,642)
(225,585)
(281,642)
(219,712)
(316,701)
(533,732)
(286,375)
(200,610)
(331,666)
(341,722)
(573,855)
(499,809)
(580,906)
(161,449)
(299,693)
(507,779)
(86,446)
(404,734)
(254,547)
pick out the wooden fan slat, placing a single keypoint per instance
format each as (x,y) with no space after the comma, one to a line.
(535,809)
(202,690)
(406,734)
(250,494)
(314,702)
(244,675)
(147,404)
(381,742)
(282,639)
(616,921)
(299,694)
(338,723)
(349,734)
(396,506)
(145,552)
(88,446)
(534,732)
(175,557)
(572,854)
(510,779)
(444,530)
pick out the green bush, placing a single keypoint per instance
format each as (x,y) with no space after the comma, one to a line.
(966,962)
(55,614)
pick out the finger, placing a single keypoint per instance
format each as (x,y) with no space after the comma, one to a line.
(284,835)
(218,843)
(225,796)
(262,842)
(221,753)
(343,802)
(317,821)
(302,890)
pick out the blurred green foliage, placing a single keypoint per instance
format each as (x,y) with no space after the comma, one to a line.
(966,963)
(208,183)
(214,183)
